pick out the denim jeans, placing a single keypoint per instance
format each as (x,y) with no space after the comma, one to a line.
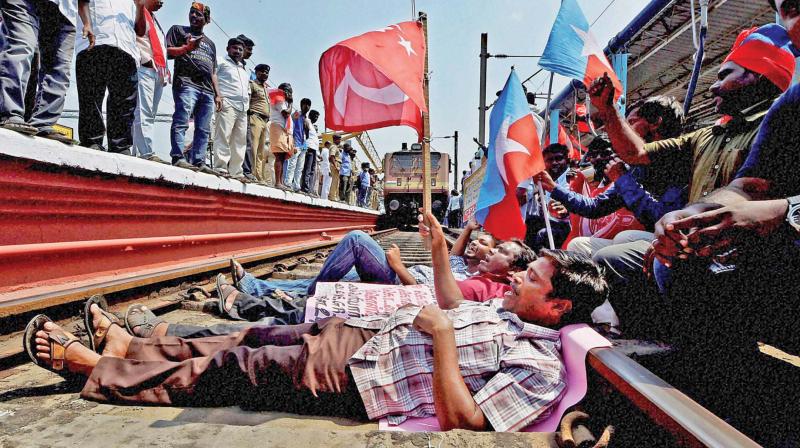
(31,24)
(150,88)
(191,101)
(357,250)
(295,164)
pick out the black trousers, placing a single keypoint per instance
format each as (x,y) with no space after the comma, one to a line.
(106,68)
(308,170)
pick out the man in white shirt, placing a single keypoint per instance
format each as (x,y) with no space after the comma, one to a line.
(312,146)
(109,65)
(325,169)
(47,26)
(153,76)
(230,139)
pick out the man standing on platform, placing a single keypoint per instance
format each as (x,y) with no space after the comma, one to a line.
(363,185)
(345,170)
(312,144)
(247,167)
(194,88)
(109,63)
(230,139)
(300,125)
(153,76)
(259,120)
(53,36)
(325,170)
(280,129)
(335,159)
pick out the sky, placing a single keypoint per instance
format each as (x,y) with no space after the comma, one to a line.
(291,36)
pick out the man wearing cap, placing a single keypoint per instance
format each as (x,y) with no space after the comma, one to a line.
(259,120)
(194,88)
(230,137)
(247,167)
(153,76)
(109,63)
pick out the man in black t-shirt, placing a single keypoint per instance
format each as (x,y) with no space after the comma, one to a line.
(194,88)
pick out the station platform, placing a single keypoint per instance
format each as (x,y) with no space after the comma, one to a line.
(72,215)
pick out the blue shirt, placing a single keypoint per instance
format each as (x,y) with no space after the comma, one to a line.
(626,192)
(363,179)
(299,132)
(775,153)
(345,170)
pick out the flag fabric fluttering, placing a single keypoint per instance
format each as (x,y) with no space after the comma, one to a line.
(375,80)
(514,155)
(572,50)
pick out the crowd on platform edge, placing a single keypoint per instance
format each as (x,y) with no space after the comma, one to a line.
(241,128)
(690,237)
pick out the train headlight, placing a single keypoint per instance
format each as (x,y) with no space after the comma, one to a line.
(394,204)
(437,204)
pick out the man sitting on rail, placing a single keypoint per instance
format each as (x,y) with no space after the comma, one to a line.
(498,368)
(759,67)
(728,267)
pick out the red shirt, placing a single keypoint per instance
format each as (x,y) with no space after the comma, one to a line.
(480,289)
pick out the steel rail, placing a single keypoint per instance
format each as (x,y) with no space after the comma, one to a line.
(690,423)
(26,250)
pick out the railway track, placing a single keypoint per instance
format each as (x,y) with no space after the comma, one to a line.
(32,399)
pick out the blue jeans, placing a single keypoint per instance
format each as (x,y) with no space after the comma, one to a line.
(32,24)
(190,100)
(356,250)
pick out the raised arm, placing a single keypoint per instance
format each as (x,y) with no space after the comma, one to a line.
(463,240)
(448,295)
(140,24)
(624,139)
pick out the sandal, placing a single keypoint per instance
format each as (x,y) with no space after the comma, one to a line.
(22,128)
(235,266)
(220,283)
(97,336)
(139,316)
(58,339)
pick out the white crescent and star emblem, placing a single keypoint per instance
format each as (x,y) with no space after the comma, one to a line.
(504,145)
(388,95)
(407,45)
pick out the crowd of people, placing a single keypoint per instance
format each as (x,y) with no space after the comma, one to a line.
(256,133)
(691,237)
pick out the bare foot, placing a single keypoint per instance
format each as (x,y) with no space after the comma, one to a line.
(77,358)
(117,339)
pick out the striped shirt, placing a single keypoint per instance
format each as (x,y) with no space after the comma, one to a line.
(512,368)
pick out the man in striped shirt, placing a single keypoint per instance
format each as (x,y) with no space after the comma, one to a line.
(477,366)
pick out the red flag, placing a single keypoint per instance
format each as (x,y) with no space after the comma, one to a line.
(375,80)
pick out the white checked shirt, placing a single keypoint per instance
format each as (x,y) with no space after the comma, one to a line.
(234,83)
(113,25)
(512,368)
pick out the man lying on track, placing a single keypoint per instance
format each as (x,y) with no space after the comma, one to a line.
(491,365)
(482,274)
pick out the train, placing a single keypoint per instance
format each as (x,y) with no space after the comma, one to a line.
(402,187)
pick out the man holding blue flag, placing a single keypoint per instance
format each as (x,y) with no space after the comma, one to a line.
(514,156)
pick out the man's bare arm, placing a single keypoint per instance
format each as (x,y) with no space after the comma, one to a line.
(448,295)
(626,142)
(452,400)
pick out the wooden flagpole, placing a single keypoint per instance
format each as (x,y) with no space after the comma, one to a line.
(545,212)
(426,125)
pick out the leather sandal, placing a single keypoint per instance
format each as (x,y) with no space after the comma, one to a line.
(22,128)
(140,317)
(97,336)
(222,297)
(58,339)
